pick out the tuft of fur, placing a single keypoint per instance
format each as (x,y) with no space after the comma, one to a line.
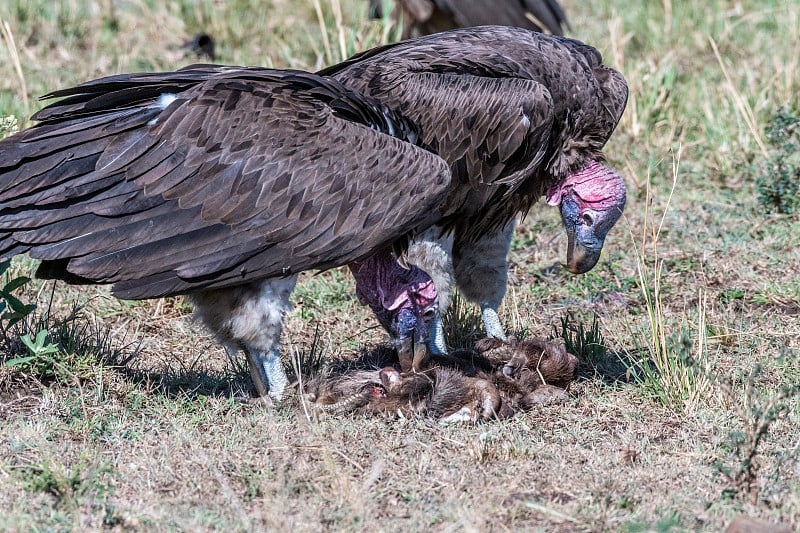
(534,362)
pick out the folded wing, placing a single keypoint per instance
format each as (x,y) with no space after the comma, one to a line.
(211,177)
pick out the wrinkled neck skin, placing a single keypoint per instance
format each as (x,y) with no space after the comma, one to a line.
(595,187)
(388,288)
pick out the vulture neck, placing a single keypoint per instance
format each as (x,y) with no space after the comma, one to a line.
(384,285)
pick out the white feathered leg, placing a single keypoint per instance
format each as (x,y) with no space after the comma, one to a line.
(433,253)
(481,273)
(250,317)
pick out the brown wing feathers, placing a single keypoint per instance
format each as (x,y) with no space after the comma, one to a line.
(241,177)
(250,173)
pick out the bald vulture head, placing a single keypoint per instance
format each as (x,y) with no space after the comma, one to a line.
(591,202)
(404,300)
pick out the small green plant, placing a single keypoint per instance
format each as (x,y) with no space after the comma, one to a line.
(41,358)
(462,323)
(671,521)
(43,477)
(779,187)
(12,309)
(673,366)
(731,295)
(72,486)
(756,414)
(38,347)
(673,371)
(587,344)
(62,349)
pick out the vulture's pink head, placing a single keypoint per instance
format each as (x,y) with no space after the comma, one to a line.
(591,202)
(404,300)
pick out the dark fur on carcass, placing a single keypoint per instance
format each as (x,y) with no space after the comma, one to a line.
(496,380)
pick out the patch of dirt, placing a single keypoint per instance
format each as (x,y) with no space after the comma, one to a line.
(19,394)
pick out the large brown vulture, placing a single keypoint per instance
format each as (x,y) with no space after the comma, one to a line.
(423,17)
(222,183)
(517,115)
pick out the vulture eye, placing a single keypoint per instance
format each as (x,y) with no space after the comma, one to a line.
(587,219)
(431,311)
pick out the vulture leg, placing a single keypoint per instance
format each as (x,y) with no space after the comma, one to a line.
(267,373)
(491,321)
(438,345)
(250,317)
(481,273)
(433,253)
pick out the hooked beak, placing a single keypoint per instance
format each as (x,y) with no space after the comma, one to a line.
(412,354)
(582,256)
(586,231)
(591,202)
(411,341)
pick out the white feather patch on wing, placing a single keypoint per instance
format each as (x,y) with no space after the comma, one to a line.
(164,100)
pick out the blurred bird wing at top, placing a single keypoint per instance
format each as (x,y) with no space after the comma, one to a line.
(210,177)
(531,14)
(431,16)
(547,14)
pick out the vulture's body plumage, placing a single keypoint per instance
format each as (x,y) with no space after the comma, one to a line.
(423,17)
(221,183)
(517,115)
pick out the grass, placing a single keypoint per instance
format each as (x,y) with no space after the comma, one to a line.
(702,296)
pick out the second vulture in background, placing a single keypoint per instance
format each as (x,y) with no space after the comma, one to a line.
(423,17)
(517,115)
